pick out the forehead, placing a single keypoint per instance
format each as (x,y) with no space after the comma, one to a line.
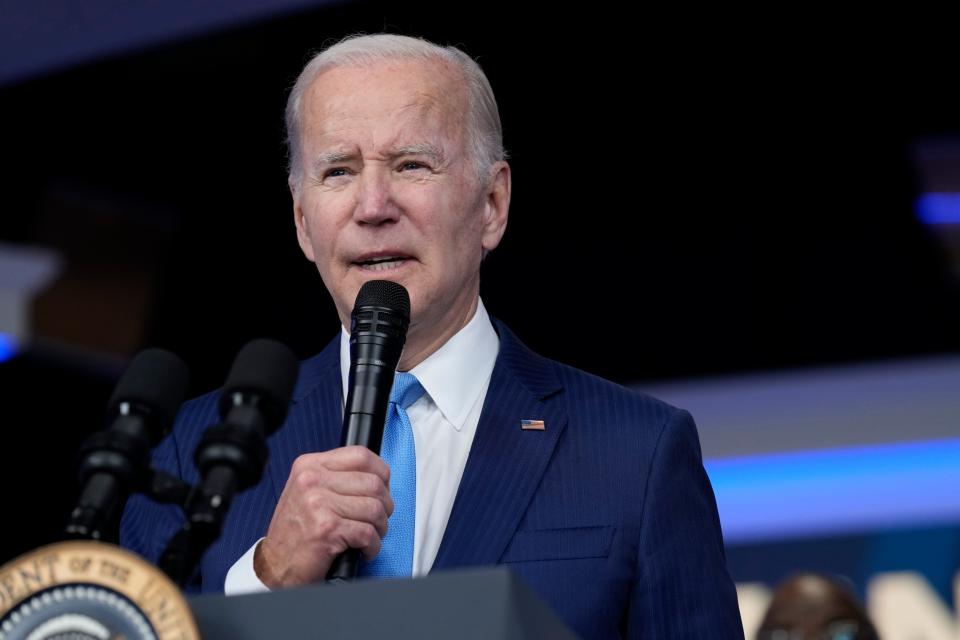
(396,97)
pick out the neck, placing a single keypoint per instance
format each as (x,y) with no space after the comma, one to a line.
(420,345)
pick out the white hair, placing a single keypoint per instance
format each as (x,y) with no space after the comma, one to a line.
(484,131)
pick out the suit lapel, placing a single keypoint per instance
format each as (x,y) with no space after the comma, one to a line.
(505,463)
(315,417)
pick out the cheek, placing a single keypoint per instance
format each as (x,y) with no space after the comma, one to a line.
(321,222)
(465,235)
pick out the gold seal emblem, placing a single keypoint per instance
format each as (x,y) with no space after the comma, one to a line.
(91,590)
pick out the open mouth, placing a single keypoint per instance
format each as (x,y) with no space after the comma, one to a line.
(385,263)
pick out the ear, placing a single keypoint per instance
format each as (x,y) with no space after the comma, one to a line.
(301,222)
(496,206)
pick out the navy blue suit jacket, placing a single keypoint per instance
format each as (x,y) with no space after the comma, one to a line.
(607,513)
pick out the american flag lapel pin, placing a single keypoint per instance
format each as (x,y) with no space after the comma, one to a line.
(533,425)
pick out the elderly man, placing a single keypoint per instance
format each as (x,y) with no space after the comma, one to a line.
(595,495)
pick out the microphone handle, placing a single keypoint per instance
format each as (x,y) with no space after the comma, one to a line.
(373,359)
(365,429)
(345,567)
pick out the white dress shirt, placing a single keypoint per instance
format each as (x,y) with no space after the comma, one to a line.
(444,420)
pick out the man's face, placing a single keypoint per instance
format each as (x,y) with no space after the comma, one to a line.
(390,192)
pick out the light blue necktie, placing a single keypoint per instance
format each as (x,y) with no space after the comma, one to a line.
(400,454)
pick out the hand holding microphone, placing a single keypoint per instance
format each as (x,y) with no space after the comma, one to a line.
(335,504)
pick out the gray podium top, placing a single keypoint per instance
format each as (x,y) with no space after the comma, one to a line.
(484,604)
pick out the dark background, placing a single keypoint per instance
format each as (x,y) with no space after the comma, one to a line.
(692,196)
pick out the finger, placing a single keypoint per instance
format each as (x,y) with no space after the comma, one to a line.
(357,483)
(362,536)
(362,509)
(356,458)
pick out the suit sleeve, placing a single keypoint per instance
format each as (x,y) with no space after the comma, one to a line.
(682,589)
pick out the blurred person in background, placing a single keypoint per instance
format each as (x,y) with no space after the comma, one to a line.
(810,606)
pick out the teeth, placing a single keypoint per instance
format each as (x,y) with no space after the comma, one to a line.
(384,264)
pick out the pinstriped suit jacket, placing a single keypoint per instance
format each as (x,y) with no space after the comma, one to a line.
(607,513)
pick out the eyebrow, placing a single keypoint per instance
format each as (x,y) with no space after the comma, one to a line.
(333,157)
(423,149)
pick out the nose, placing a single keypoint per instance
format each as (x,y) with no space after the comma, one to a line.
(375,204)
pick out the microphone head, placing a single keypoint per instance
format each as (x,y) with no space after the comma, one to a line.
(384,293)
(156,379)
(267,368)
(382,307)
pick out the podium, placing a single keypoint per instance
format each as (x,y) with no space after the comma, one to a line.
(488,604)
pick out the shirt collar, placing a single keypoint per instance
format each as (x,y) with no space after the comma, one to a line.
(454,375)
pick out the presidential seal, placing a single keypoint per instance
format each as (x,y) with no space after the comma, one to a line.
(90,591)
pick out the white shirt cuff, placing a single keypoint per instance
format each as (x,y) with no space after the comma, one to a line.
(241,578)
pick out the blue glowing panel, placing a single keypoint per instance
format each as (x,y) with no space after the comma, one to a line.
(835,491)
(37,37)
(8,347)
(938,208)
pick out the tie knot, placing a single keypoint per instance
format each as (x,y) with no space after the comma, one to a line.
(406,389)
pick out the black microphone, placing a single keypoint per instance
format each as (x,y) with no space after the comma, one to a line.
(231,455)
(115,462)
(378,329)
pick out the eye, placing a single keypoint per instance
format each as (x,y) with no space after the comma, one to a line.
(411,165)
(335,172)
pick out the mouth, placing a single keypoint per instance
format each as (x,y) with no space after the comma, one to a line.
(381,263)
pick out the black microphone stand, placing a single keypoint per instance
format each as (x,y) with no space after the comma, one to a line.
(232,455)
